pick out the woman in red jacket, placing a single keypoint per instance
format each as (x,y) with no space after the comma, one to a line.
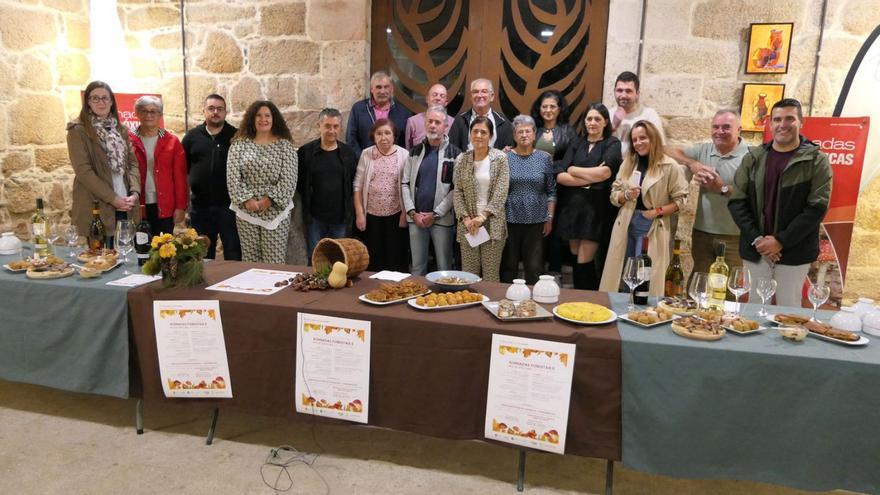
(162,164)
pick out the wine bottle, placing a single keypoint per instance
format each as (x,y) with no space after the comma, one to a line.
(142,238)
(97,232)
(718,272)
(38,228)
(674,286)
(641,293)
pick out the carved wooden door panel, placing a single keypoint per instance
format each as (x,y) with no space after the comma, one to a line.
(524,47)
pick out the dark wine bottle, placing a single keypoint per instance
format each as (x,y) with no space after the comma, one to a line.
(97,232)
(142,238)
(641,293)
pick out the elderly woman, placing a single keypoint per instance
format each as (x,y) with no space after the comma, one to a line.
(480,181)
(104,164)
(378,208)
(645,205)
(531,201)
(162,164)
(261,177)
(585,215)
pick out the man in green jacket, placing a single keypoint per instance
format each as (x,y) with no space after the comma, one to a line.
(780,196)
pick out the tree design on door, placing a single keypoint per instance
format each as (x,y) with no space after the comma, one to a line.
(524,47)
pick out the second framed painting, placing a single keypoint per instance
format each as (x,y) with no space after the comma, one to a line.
(757,100)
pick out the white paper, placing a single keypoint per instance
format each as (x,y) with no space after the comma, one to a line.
(480,237)
(390,275)
(255,281)
(135,280)
(529,391)
(332,367)
(635,179)
(192,352)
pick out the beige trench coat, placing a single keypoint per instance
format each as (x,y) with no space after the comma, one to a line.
(664,186)
(94,180)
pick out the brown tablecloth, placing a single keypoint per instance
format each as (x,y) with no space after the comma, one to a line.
(429,371)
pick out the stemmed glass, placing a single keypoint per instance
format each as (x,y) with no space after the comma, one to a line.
(71,235)
(738,283)
(766,289)
(632,276)
(53,235)
(124,242)
(817,294)
(699,289)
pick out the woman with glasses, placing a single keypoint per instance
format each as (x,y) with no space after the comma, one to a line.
(162,165)
(104,164)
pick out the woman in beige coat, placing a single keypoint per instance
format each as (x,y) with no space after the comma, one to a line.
(104,163)
(644,207)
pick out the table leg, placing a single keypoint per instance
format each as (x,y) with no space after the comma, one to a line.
(210,439)
(609,477)
(139,416)
(521,472)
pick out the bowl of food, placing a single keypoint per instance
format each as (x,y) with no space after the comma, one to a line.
(794,334)
(452,280)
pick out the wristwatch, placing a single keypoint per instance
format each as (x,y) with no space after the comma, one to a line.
(725,189)
(411,214)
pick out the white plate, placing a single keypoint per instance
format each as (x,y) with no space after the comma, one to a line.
(412,302)
(609,320)
(858,343)
(623,317)
(540,314)
(749,332)
(772,319)
(14,270)
(363,297)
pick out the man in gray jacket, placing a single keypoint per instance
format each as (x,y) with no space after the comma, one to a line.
(426,190)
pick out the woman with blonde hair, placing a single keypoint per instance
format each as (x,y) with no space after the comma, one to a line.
(646,200)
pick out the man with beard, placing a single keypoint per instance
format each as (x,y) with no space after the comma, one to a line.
(628,110)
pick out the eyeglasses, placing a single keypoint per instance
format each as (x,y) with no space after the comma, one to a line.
(215,109)
(149,112)
(99,99)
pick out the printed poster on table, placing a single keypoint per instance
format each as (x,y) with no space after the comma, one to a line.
(256,281)
(529,392)
(333,367)
(192,352)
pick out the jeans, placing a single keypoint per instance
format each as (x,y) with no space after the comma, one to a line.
(212,221)
(319,230)
(419,238)
(638,229)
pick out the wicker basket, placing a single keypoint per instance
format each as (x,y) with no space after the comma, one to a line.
(352,252)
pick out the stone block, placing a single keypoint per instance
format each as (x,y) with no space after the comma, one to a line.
(672,96)
(65,5)
(284,57)
(50,159)
(177,126)
(860,16)
(312,92)
(72,102)
(34,73)
(676,20)
(166,41)
(686,58)
(244,32)
(145,68)
(4,130)
(152,17)
(133,42)
(73,69)
(337,20)
(839,52)
(722,20)
(7,81)
(16,161)
(624,19)
(221,54)
(59,198)
(687,130)
(723,93)
(345,60)
(47,129)
(210,13)
(24,28)
(283,19)
(282,91)
(172,91)
(22,190)
(77,33)
(302,125)
(245,92)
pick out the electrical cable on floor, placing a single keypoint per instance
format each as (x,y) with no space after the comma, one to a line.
(284,457)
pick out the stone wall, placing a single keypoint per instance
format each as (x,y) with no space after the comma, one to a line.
(693,64)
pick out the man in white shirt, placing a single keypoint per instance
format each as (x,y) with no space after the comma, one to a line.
(482,96)
(628,110)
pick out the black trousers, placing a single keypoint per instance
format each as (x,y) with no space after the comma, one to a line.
(213,221)
(159,225)
(525,242)
(387,243)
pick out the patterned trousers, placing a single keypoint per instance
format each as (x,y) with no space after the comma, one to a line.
(483,260)
(261,245)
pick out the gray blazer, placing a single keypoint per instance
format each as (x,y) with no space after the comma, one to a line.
(443,213)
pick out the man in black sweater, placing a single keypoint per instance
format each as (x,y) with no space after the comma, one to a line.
(206,147)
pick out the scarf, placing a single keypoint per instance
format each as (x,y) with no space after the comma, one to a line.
(111,141)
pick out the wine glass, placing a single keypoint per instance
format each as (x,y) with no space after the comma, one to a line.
(71,235)
(738,283)
(766,289)
(54,233)
(699,289)
(632,276)
(124,242)
(817,294)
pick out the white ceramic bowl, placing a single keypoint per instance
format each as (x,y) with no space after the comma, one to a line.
(9,244)
(468,277)
(795,334)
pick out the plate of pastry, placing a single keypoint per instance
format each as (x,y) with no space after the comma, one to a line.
(648,318)
(439,301)
(507,310)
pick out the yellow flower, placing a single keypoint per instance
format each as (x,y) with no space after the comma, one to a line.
(156,242)
(167,250)
(192,233)
(167,237)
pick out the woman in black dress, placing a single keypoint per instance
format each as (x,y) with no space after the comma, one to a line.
(584,177)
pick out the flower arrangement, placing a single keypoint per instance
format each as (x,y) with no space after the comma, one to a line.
(178,258)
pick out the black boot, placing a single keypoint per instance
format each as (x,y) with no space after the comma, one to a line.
(583,274)
(591,277)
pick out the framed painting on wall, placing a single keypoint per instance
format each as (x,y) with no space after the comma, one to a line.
(757,100)
(769,48)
